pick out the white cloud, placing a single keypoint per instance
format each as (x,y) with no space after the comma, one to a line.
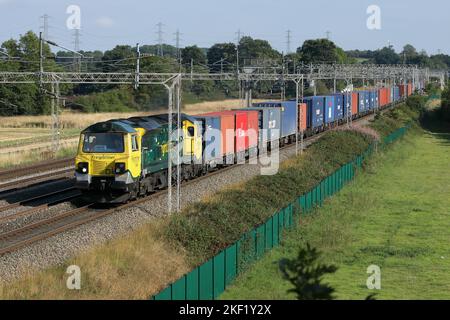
(103,22)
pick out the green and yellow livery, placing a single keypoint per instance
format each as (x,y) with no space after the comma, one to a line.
(119,160)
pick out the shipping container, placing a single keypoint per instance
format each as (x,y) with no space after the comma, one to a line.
(251,134)
(362,102)
(381,97)
(347,104)
(314,107)
(397,93)
(383,94)
(355,103)
(212,139)
(329,109)
(377,99)
(373,99)
(269,121)
(338,106)
(288,115)
(302,117)
(227,128)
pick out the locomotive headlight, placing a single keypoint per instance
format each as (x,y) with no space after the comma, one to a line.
(119,168)
(83,167)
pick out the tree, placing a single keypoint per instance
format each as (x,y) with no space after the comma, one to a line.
(222,56)
(305,274)
(28,98)
(250,48)
(386,56)
(318,51)
(409,53)
(193,53)
(119,58)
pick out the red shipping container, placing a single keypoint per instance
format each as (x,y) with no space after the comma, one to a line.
(240,128)
(389,94)
(380,97)
(354,103)
(252,129)
(403,90)
(384,96)
(227,124)
(302,121)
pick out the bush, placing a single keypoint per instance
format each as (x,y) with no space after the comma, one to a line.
(445,104)
(206,228)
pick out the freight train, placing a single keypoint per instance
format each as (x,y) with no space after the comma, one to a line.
(120,160)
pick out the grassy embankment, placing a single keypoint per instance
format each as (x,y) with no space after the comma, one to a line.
(395,215)
(146,260)
(27,139)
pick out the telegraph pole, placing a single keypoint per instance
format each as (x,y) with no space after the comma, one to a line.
(328,33)
(160,39)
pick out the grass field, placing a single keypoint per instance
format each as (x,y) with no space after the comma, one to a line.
(395,215)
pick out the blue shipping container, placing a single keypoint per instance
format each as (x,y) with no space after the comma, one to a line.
(212,140)
(396,93)
(288,115)
(329,109)
(361,101)
(347,112)
(339,106)
(269,122)
(314,107)
(371,100)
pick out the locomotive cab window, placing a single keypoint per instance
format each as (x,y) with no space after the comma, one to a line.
(103,143)
(134,143)
(191,131)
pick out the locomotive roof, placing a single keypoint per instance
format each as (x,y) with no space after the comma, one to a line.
(128,125)
(110,126)
(165,117)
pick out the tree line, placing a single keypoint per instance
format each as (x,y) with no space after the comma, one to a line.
(23,55)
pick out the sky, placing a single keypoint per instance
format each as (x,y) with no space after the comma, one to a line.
(104,24)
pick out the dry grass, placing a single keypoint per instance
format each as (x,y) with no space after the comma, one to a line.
(13,159)
(73,120)
(131,267)
(361,129)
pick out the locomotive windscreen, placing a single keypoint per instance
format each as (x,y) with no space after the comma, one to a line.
(103,143)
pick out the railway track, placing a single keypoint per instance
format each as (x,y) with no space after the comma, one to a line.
(51,165)
(13,186)
(37,231)
(30,211)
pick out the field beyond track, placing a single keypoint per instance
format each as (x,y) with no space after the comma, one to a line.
(395,215)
